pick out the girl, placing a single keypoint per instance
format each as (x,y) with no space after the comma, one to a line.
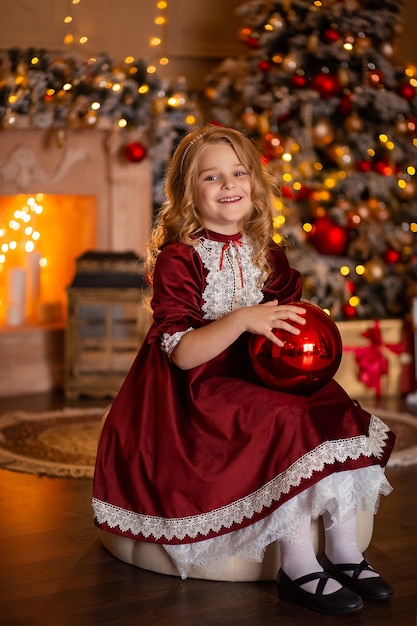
(195,453)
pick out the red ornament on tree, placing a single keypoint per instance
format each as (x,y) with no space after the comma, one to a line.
(349,311)
(384,167)
(331,35)
(345,105)
(328,237)
(264,65)
(406,90)
(326,84)
(298,81)
(391,256)
(135,152)
(306,362)
(249,37)
(363,166)
(375,78)
(412,125)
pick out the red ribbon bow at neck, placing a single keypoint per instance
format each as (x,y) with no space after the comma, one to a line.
(233,248)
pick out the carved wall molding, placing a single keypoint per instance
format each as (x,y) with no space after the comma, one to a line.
(22,167)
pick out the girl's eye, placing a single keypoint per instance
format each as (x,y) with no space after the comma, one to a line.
(211,177)
(241,173)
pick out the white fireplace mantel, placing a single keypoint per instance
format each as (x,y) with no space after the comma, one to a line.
(84,162)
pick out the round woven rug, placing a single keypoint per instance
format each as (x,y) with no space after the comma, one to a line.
(55,443)
(63,443)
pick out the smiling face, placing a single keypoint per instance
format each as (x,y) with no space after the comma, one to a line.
(223,189)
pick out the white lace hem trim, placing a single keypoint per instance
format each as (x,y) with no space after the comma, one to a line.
(336,494)
(214,521)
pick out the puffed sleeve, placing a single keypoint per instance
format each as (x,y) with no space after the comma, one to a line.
(178,284)
(285,283)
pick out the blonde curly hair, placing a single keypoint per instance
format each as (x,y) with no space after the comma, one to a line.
(178,218)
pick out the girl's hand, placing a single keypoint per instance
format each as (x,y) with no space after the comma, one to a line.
(205,343)
(263,318)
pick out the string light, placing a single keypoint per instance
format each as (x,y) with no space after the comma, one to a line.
(21,226)
(69,37)
(157,40)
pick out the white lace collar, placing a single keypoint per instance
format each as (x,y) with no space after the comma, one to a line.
(231,275)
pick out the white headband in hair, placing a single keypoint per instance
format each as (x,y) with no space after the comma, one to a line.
(199,136)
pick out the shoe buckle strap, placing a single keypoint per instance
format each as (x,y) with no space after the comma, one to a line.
(356,569)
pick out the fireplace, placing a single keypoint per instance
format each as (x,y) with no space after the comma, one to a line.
(41,236)
(90,198)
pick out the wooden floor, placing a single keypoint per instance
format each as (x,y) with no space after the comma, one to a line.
(54,572)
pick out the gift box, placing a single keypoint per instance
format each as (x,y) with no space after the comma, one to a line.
(373,359)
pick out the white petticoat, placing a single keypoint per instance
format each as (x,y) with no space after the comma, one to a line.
(336,494)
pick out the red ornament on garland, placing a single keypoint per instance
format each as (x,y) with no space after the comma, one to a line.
(328,237)
(306,362)
(135,152)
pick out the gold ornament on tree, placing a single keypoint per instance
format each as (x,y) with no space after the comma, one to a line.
(374,270)
(354,123)
(322,133)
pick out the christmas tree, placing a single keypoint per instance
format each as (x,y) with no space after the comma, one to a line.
(335,116)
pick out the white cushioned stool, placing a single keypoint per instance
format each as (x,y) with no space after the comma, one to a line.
(152,556)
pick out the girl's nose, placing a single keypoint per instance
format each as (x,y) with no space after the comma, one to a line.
(228,182)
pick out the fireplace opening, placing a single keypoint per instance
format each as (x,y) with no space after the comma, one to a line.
(41,236)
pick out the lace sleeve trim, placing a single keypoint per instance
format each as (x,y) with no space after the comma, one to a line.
(169,342)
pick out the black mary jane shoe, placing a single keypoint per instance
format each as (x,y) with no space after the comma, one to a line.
(373,588)
(339,602)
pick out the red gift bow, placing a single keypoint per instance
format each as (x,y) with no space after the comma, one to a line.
(370,359)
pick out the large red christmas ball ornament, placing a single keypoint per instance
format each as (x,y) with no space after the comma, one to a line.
(135,152)
(306,362)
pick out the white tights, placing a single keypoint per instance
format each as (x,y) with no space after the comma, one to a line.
(298,557)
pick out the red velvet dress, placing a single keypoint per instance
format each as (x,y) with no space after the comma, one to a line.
(189,455)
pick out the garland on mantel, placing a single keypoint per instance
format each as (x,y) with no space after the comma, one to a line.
(40,89)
